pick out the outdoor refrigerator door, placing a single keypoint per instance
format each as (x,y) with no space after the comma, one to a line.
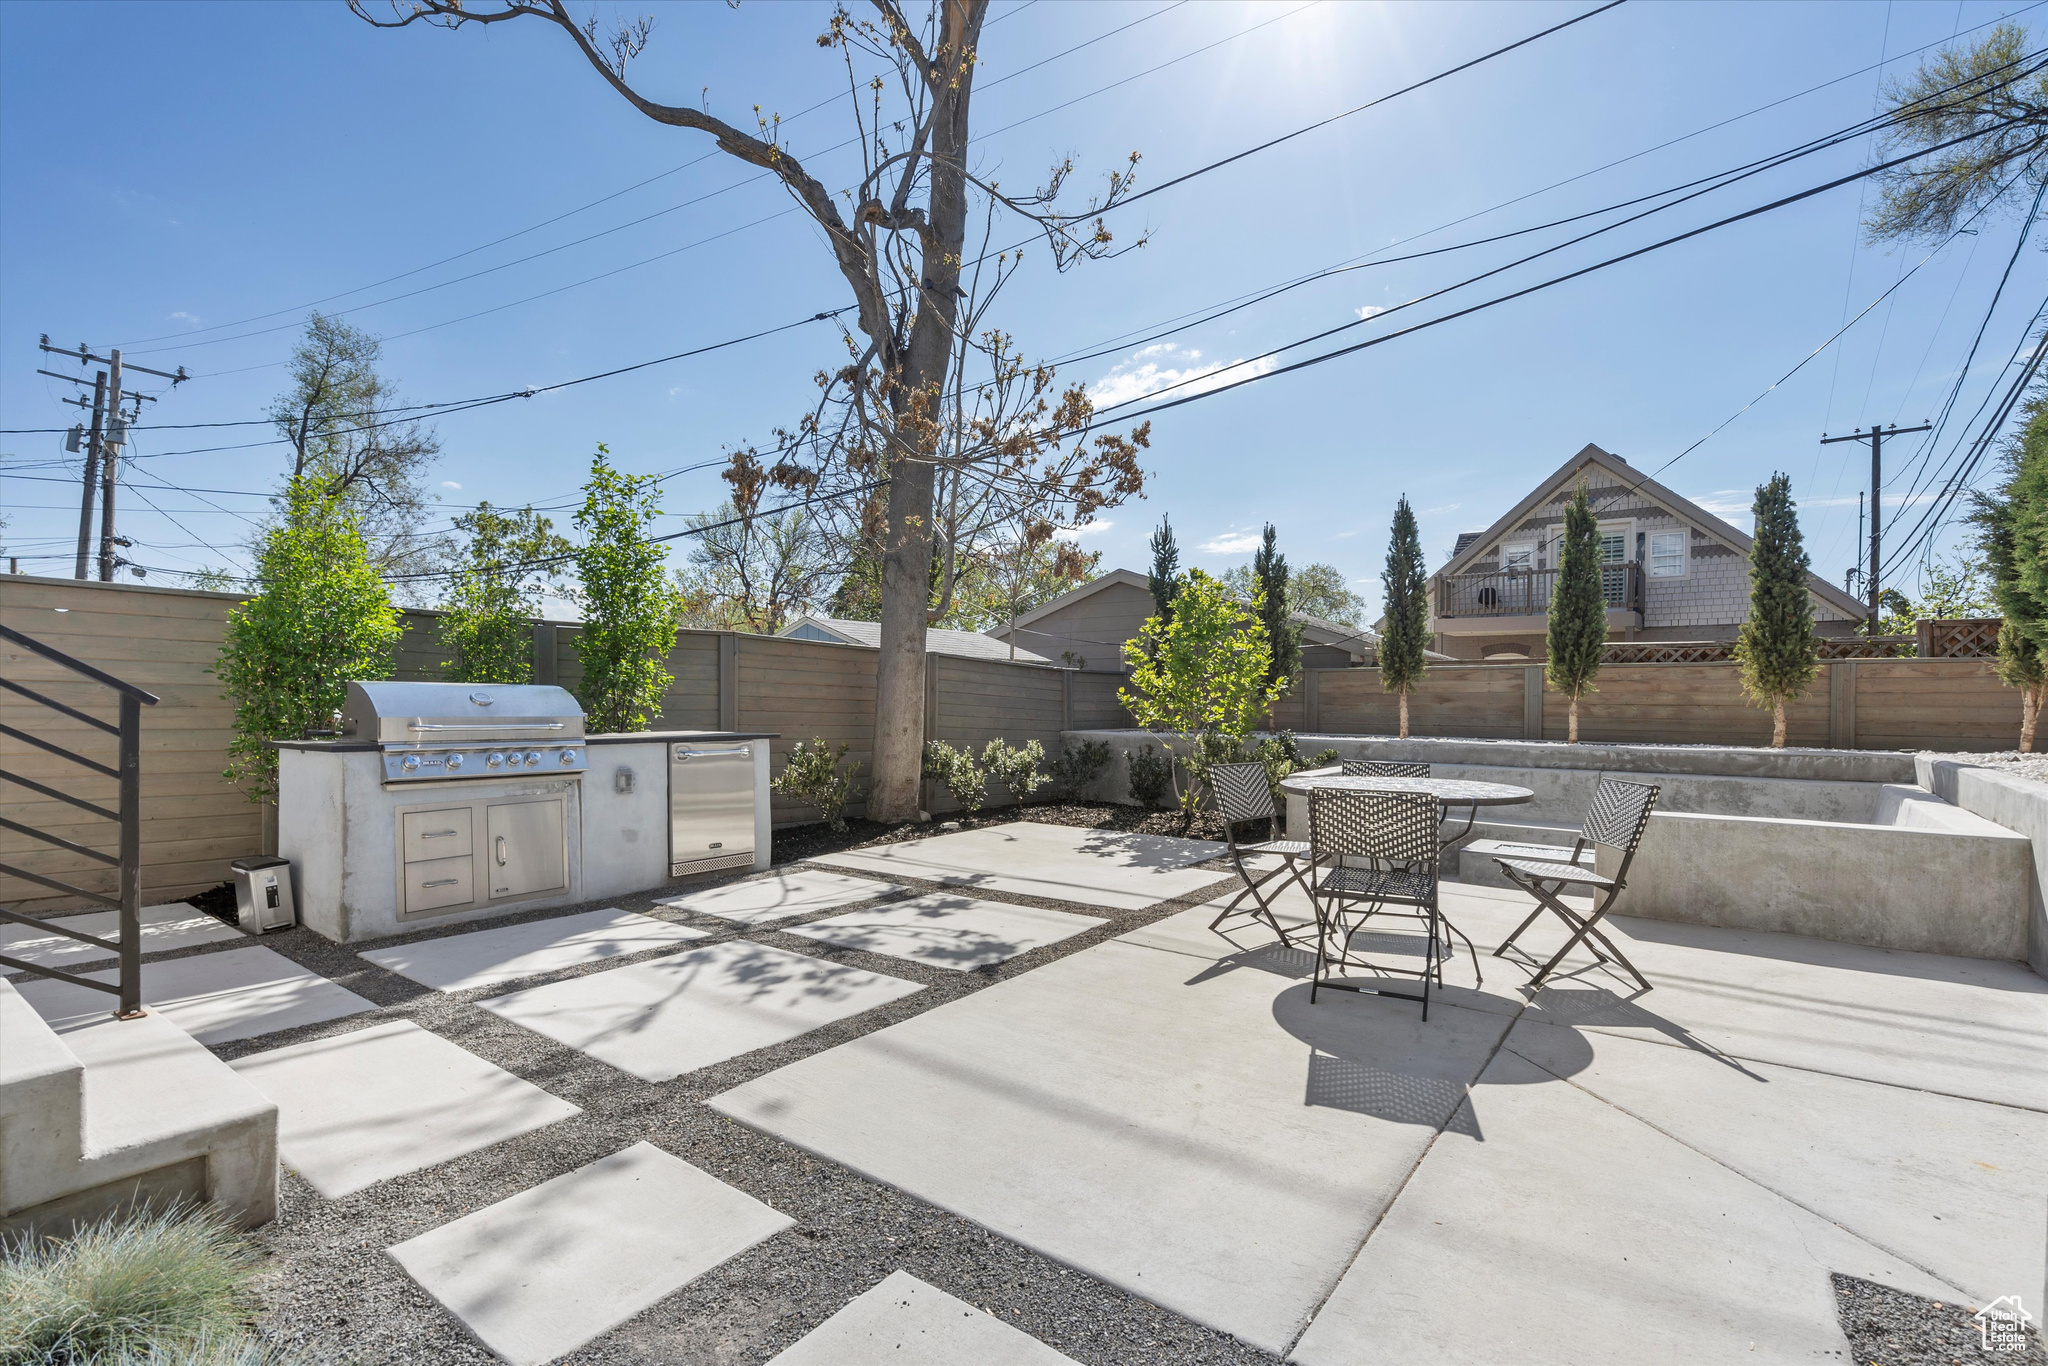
(710,802)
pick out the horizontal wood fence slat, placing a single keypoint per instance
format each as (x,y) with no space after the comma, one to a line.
(193,821)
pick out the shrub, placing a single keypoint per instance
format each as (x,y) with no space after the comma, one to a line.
(811,776)
(1323,758)
(168,1286)
(629,607)
(1076,769)
(1020,770)
(957,772)
(494,593)
(1279,754)
(1151,775)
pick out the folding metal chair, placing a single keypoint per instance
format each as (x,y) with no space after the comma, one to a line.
(1242,796)
(1383,768)
(1620,813)
(1372,851)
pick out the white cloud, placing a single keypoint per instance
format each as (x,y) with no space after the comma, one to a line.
(450,484)
(1447,507)
(1727,502)
(1089,529)
(1369,311)
(181,316)
(1164,365)
(1231,543)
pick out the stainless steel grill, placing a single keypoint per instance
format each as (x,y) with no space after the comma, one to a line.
(438,732)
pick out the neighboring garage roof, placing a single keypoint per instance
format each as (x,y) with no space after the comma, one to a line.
(937,641)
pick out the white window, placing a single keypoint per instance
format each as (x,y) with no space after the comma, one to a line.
(1613,546)
(1667,554)
(1520,555)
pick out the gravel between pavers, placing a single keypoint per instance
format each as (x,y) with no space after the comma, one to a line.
(332,1291)
(1888,1327)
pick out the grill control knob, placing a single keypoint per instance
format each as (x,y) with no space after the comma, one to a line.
(532,757)
(568,758)
(410,763)
(495,761)
(454,762)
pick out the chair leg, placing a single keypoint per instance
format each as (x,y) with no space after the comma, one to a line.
(1264,909)
(1582,929)
(1506,943)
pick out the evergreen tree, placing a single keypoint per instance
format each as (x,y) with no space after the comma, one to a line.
(1405,582)
(2012,522)
(1269,573)
(1776,647)
(1578,610)
(1165,566)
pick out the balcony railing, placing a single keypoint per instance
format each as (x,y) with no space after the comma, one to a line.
(1526,592)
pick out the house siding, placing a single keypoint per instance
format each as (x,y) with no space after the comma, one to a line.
(1093,628)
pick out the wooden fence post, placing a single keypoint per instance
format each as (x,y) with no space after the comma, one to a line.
(1066,699)
(1842,704)
(1532,702)
(728,681)
(544,652)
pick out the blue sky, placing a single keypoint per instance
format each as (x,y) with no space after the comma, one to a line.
(231,162)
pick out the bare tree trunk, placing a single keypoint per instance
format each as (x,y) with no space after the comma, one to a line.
(2031,700)
(1777,723)
(1571,728)
(1404,713)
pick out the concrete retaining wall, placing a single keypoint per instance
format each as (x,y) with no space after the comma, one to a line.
(2018,805)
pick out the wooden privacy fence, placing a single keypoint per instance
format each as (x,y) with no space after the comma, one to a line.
(193,821)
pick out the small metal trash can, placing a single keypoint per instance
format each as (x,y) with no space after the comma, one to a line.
(263,894)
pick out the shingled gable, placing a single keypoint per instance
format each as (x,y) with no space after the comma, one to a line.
(1558,485)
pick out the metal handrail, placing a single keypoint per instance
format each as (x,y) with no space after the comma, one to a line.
(1527,592)
(127,772)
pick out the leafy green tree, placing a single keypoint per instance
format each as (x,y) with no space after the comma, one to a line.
(629,607)
(1205,671)
(1269,573)
(1578,610)
(320,618)
(494,592)
(1163,580)
(1405,581)
(1319,590)
(2012,523)
(1988,89)
(1777,649)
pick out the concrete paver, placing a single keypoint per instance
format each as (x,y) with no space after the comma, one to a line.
(1091,867)
(947,931)
(905,1322)
(1205,1139)
(361,1108)
(780,894)
(215,997)
(543,1272)
(668,1016)
(171,926)
(1953,1186)
(486,958)
(1577,1235)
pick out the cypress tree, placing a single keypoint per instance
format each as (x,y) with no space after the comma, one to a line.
(1165,566)
(2013,523)
(1269,571)
(1578,610)
(1405,582)
(1776,647)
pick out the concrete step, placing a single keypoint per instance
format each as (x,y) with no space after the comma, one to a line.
(97,1113)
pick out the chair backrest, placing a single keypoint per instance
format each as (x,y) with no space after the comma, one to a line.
(1619,814)
(1383,768)
(1242,793)
(1395,827)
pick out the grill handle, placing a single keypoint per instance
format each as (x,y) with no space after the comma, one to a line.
(485,725)
(713,753)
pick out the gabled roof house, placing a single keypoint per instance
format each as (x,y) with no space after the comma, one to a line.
(1672,570)
(937,640)
(1085,627)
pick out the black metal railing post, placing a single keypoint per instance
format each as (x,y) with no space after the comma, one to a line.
(130,807)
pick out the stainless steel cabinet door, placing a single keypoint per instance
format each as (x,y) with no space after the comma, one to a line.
(710,803)
(524,848)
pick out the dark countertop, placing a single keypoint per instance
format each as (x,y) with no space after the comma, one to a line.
(644,737)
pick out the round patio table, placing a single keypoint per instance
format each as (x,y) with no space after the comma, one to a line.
(1450,791)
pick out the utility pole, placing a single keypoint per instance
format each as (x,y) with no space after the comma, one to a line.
(92,471)
(1875,436)
(109,434)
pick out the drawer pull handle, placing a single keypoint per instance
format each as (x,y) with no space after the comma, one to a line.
(501,851)
(436,834)
(442,882)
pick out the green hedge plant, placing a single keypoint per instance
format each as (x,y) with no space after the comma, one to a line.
(1020,769)
(812,777)
(956,771)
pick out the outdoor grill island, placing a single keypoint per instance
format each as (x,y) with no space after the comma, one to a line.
(447,802)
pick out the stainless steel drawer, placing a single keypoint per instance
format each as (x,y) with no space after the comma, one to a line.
(710,806)
(433,883)
(435,834)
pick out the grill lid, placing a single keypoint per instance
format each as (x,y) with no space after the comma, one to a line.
(460,713)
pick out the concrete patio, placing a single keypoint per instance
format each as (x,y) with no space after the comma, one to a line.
(1018,1103)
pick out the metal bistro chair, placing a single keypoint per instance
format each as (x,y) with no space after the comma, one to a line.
(1383,768)
(1242,796)
(1395,835)
(1620,813)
